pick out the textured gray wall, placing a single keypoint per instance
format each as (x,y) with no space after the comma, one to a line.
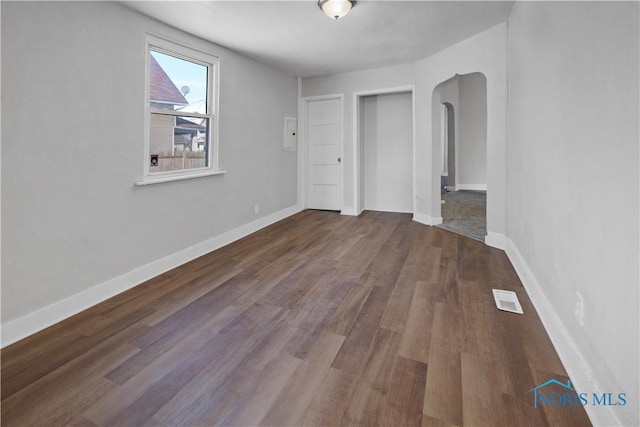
(573,175)
(73,77)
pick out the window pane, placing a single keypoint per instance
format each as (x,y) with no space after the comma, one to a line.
(177,84)
(178,143)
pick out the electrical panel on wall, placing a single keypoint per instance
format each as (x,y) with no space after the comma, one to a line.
(290,134)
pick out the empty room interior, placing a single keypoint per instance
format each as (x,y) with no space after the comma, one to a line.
(270,213)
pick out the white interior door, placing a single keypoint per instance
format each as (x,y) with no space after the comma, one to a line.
(324,136)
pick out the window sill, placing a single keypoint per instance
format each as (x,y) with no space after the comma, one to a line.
(161,179)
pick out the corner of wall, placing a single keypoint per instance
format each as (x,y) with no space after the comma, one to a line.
(496,240)
(351,211)
(426,219)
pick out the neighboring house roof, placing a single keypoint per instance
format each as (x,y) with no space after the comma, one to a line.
(162,89)
(184,123)
(187,127)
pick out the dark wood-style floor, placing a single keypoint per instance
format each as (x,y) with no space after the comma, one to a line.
(319,319)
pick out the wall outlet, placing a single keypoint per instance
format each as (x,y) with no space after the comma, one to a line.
(256,209)
(578,310)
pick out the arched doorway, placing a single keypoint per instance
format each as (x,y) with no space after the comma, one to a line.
(462,101)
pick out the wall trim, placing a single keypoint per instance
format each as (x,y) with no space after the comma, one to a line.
(426,219)
(572,358)
(472,187)
(302,150)
(43,318)
(389,210)
(495,240)
(351,211)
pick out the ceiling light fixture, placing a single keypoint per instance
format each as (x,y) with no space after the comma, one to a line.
(336,9)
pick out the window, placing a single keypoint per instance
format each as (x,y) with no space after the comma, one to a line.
(181,129)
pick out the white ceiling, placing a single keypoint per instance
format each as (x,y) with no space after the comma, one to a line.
(296,37)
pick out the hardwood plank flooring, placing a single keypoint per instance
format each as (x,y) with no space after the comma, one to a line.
(317,320)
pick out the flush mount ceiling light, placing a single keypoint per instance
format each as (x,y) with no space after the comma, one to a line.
(336,9)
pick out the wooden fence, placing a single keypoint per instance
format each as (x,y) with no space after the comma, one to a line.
(180,161)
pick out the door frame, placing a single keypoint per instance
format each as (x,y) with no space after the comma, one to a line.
(303,170)
(449,115)
(357,140)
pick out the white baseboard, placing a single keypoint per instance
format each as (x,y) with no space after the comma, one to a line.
(391,210)
(495,240)
(40,319)
(473,187)
(572,358)
(349,211)
(426,219)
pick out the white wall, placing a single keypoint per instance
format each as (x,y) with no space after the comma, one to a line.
(72,147)
(388,152)
(574,184)
(485,53)
(347,84)
(472,128)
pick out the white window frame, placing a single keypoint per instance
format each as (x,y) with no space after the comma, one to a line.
(213,78)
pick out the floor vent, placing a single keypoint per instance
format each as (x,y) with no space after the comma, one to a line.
(507,301)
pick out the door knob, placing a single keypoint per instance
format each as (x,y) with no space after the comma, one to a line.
(339,159)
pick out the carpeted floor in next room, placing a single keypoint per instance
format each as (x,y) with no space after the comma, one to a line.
(465,212)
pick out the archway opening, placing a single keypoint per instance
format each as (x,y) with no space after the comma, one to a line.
(460,124)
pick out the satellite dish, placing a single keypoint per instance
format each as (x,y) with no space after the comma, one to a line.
(185,90)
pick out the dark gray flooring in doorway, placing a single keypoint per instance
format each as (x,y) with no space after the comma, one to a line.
(465,212)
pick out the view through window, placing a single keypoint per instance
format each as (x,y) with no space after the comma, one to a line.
(180,113)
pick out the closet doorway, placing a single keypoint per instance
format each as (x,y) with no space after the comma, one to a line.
(384,150)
